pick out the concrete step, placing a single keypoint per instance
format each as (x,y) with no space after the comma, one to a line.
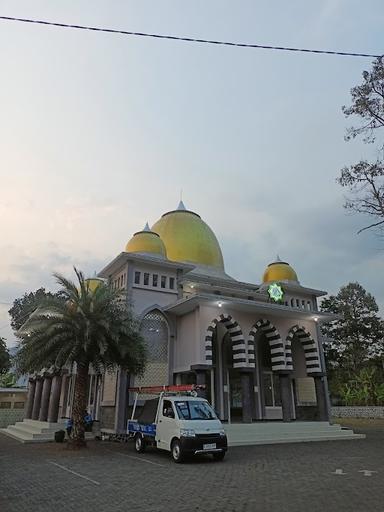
(43,424)
(340,433)
(23,437)
(280,432)
(293,439)
(29,431)
(26,437)
(265,433)
(34,428)
(277,426)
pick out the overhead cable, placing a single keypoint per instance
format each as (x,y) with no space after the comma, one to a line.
(189,39)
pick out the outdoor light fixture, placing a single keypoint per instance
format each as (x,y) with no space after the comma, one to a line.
(315,319)
(219,304)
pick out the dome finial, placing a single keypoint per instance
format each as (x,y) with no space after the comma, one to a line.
(181,206)
(278,260)
(146,227)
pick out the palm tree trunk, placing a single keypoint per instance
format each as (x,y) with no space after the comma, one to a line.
(79,406)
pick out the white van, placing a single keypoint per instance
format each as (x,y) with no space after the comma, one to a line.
(181,423)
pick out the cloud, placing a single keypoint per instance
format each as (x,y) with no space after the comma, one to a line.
(26,273)
(321,243)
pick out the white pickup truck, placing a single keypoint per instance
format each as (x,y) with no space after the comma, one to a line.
(177,421)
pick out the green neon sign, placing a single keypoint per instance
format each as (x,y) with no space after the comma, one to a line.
(275,292)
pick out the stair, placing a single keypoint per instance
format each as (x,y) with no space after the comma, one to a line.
(294,432)
(33,431)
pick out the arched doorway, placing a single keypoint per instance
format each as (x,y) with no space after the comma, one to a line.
(305,364)
(265,341)
(312,360)
(270,396)
(225,351)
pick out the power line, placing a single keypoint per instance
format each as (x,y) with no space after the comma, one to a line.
(21,318)
(189,39)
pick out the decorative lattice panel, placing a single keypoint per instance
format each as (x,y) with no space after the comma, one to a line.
(109,388)
(305,391)
(155,331)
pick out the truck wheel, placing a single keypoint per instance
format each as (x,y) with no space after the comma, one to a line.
(139,443)
(219,456)
(177,453)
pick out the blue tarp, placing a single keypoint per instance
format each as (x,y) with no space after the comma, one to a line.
(147,429)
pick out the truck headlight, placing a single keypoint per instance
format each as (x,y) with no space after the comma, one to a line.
(187,432)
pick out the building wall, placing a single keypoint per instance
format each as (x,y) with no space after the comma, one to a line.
(13,399)
(108,400)
(246,321)
(12,406)
(143,299)
(108,397)
(187,342)
(143,295)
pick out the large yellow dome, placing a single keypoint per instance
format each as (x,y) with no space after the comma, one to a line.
(279,271)
(146,241)
(188,238)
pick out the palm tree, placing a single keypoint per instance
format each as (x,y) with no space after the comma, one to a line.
(86,325)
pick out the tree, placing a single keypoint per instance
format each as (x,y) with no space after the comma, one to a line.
(366,183)
(7,380)
(5,360)
(356,337)
(27,304)
(365,180)
(368,103)
(85,326)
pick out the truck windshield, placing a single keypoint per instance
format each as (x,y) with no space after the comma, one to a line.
(195,410)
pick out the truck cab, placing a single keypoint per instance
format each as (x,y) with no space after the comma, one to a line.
(181,423)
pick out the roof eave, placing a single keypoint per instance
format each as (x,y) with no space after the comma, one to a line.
(125,257)
(183,306)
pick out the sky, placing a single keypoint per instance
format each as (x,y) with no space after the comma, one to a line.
(99,133)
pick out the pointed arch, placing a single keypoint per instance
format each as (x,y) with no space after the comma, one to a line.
(274,340)
(237,338)
(312,360)
(154,327)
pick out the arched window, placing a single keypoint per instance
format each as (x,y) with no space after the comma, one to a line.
(154,329)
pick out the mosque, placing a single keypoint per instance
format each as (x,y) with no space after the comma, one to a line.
(256,347)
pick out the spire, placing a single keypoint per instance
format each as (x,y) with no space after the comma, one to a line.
(181,206)
(278,260)
(146,227)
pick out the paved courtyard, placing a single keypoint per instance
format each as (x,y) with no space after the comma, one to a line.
(310,477)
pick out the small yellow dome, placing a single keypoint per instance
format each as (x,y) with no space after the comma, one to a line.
(279,271)
(188,238)
(146,241)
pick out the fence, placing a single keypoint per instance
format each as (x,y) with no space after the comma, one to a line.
(358,412)
(10,416)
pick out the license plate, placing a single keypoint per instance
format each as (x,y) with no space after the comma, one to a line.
(210,446)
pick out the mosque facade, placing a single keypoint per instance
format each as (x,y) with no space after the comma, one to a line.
(256,347)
